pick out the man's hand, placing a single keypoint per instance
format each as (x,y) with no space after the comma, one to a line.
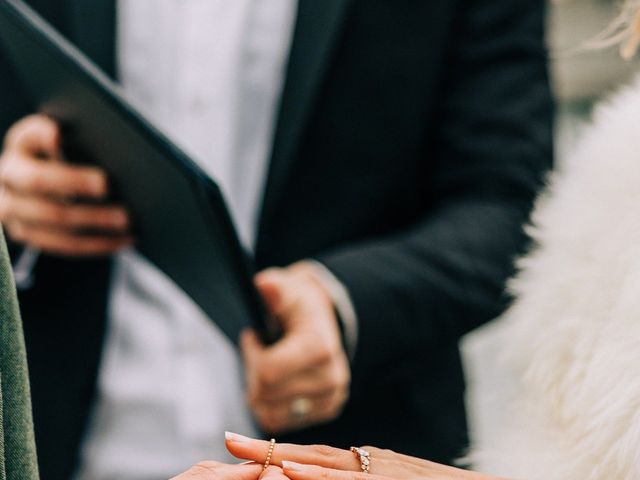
(40,196)
(304,378)
(222,471)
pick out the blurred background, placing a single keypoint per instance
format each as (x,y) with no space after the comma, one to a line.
(582,77)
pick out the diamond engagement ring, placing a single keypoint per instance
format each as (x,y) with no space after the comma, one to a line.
(300,408)
(364,457)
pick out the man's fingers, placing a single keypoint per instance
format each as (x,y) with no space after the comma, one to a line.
(297,352)
(270,367)
(256,450)
(270,285)
(57,179)
(63,243)
(310,383)
(309,361)
(45,212)
(35,135)
(221,471)
(279,417)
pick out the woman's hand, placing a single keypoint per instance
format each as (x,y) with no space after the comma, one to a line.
(327,463)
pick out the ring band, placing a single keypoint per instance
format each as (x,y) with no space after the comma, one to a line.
(267,462)
(364,457)
(300,408)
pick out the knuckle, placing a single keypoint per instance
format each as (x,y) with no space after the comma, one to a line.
(323,451)
(323,354)
(378,452)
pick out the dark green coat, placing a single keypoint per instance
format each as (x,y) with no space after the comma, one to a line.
(17,446)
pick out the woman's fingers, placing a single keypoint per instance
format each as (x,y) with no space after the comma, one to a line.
(328,463)
(298,471)
(383,462)
(273,473)
(256,450)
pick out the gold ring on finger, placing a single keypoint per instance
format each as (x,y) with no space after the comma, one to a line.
(300,408)
(272,446)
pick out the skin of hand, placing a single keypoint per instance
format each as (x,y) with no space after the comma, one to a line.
(322,462)
(222,471)
(309,361)
(41,196)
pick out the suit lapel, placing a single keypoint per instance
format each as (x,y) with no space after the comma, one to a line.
(317,27)
(92,26)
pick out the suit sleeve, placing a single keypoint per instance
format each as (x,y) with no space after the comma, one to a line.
(444,275)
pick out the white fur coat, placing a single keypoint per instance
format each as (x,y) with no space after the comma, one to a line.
(574,330)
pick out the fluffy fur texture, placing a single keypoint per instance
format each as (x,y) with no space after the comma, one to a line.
(574,329)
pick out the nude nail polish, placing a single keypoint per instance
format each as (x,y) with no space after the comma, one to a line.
(234,437)
(293,466)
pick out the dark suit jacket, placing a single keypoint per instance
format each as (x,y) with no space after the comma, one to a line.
(411,140)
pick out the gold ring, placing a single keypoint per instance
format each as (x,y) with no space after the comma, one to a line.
(267,462)
(300,408)
(364,457)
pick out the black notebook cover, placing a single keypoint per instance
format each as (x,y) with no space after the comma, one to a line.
(181,222)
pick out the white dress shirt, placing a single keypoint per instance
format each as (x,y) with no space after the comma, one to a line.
(210,74)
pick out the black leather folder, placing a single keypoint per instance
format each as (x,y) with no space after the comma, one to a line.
(181,222)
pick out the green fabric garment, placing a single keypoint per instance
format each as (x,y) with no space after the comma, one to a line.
(17,445)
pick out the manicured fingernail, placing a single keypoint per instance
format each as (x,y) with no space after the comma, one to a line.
(294,467)
(234,437)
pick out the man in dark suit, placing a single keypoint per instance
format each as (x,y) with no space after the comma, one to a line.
(410,141)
